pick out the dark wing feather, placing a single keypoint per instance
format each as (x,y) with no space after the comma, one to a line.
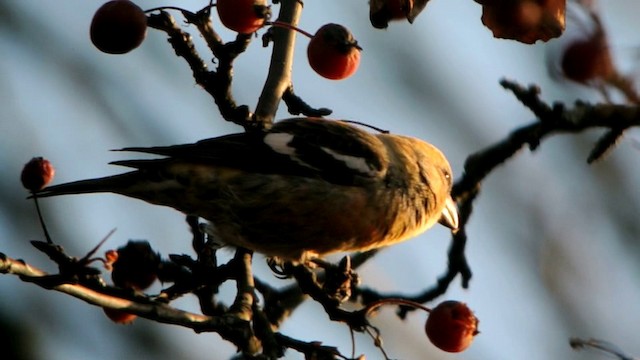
(321,148)
(337,151)
(244,151)
(312,136)
(223,151)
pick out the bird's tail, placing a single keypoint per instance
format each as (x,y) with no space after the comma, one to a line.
(113,184)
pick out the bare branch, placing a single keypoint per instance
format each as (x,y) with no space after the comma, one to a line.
(297,106)
(551,120)
(216,83)
(279,77)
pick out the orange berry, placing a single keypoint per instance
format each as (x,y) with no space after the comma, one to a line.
(333,52)
(118,27)
(243,16)
(451,326)
(110,257)
(37,173)
(119,316)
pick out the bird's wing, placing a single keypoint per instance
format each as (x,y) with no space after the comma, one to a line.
(236,151)
(328,149)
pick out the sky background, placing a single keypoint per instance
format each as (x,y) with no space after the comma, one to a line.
(553,242)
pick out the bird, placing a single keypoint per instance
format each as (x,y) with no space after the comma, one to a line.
(300,190)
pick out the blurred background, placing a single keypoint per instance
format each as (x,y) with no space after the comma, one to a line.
(553,243)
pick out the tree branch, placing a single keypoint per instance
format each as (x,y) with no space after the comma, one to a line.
(551,120)
(216,83)
(279,77)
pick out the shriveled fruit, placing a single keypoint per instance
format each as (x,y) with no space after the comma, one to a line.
(586,60)
(118,27)
(382,11)
(136,266)
(526,21)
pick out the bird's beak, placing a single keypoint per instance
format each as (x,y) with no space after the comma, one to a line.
(449,216)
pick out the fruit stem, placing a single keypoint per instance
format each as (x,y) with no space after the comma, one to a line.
(289,26)
(160,8)
(394,301)
(41,218)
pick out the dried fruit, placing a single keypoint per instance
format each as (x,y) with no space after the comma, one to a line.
(333,52)
(383,11)
(36,174)
(526,21)
(118,27)
(451,326)
(243,16)
(585,55)
(136,266)
(587,59)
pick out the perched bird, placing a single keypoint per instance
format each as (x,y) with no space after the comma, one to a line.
(304,188)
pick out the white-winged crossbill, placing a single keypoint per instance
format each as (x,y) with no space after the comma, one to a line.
(307,187)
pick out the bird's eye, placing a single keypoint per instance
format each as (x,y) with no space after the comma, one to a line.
(447,175)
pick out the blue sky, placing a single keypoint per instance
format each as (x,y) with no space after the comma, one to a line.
(553,242)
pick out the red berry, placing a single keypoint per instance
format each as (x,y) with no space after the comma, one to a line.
(110,257)
(451,326)
(333,52)
(118,27)
(243,16)
(37,173)
(119,316)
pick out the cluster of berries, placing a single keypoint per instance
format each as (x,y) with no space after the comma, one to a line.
(120,26)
